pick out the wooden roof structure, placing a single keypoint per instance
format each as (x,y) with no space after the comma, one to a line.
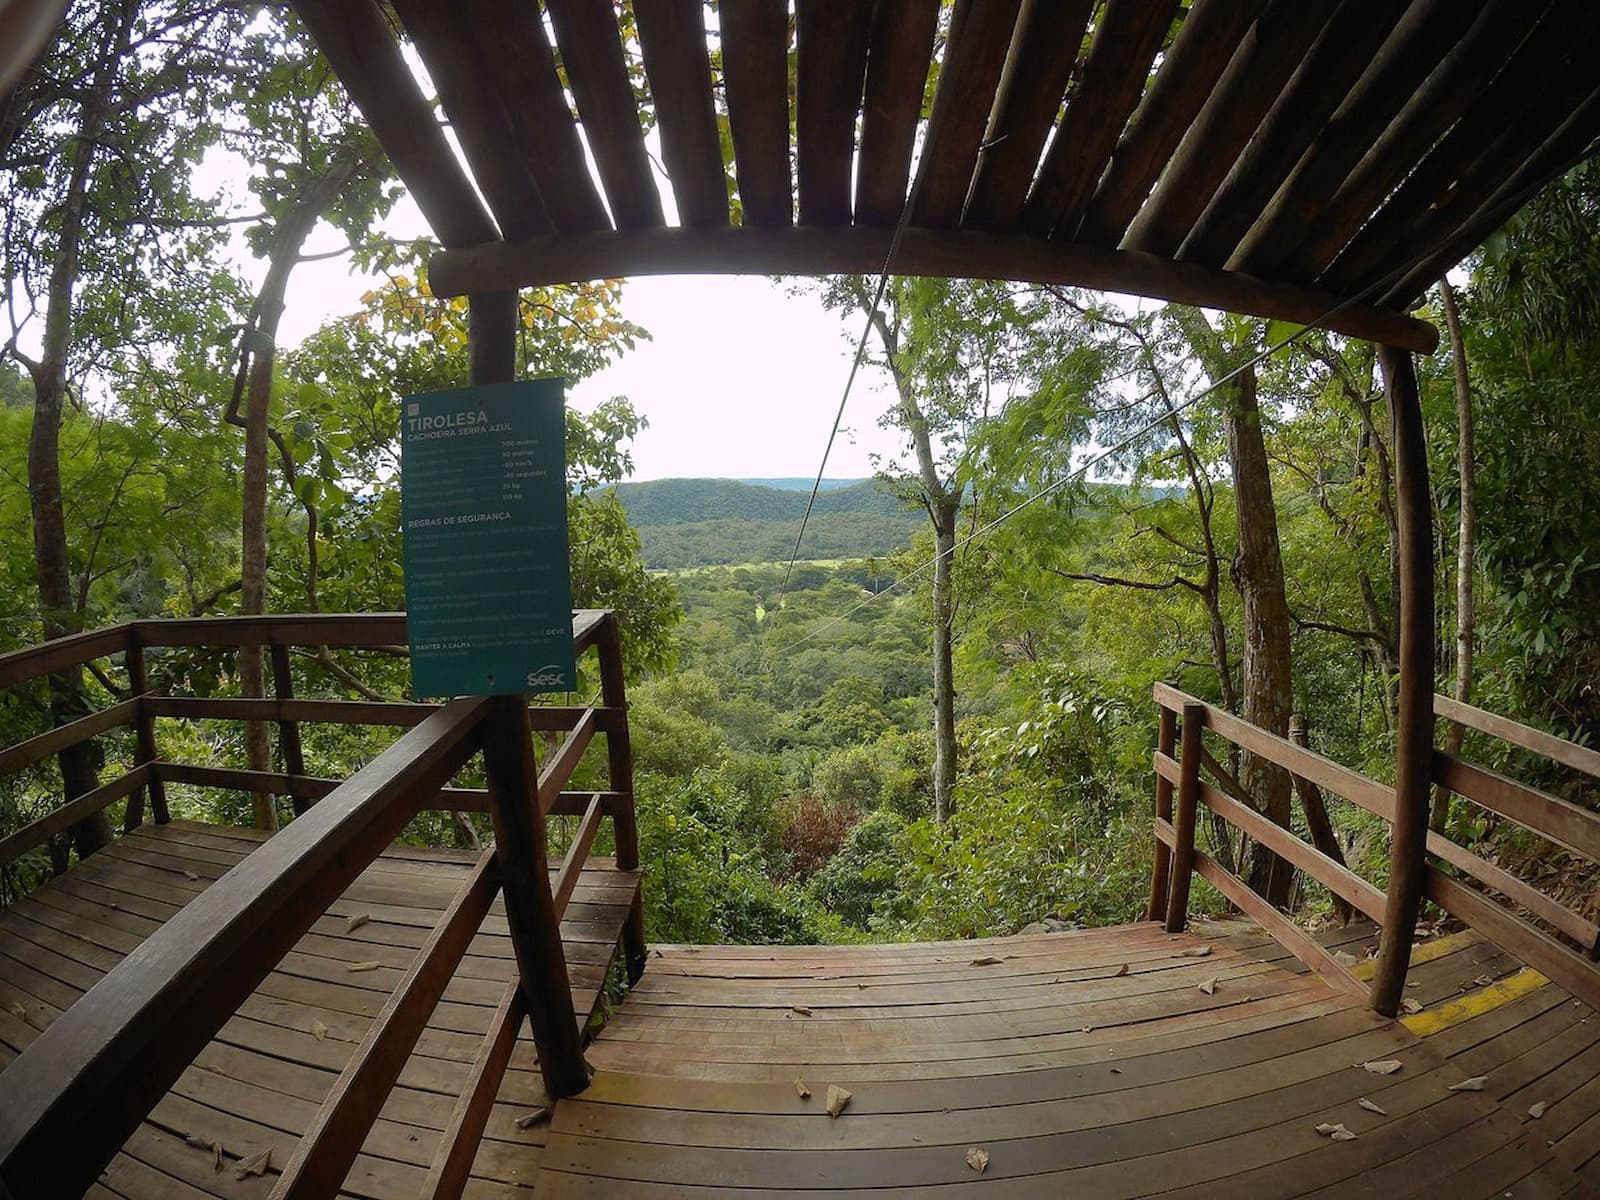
(1319,161)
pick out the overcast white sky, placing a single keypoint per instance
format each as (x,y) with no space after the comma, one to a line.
(741,377)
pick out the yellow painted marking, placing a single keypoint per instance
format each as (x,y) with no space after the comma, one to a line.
(1474,1003)
(1425,951)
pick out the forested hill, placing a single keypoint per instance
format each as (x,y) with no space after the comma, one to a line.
(707,522)
(682,501)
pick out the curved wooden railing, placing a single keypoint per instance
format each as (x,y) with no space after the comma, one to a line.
(76,1093)
(1546,935)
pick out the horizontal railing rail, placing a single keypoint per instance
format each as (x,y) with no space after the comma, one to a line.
(1180,791)
(140,712)
(76,1093)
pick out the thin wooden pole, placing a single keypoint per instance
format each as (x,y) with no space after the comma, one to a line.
(519,839)
(1194,716)
(619,761)
(1322,834)
(144,739)
(1161,872)
(519,832)
(1414,725)
(294,759)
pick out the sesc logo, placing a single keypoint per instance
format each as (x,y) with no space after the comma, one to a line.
(551,676)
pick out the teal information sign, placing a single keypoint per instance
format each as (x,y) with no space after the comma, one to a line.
(483,503)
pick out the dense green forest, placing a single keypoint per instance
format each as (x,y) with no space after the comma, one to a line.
(706,522)
(940,727)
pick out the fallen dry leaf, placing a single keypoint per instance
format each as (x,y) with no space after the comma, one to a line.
(803,1010)
(256,1164)
(1484,980)
(837,1099)
(530,1119)
(370,964)
(988,960)
(1371,1107)
(1410,1007)
(1384,1066)
(977,1158)
(195,1140)
(1209,987)
(1475,1084)
(1121,971)
(19,1010)
(801,1089)
(1536,1109)
(356,922)
(1197,952)
(191,876)
(216,1157)
(318,1029)
(1344,958)
(1337,1132)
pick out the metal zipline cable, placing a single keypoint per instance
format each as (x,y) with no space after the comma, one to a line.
(1078,472)
(855,367)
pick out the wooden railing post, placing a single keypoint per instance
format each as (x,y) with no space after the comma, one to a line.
(530,907)
(619,763)
(1161,872)
(1194,716)
(144,739)
(294,759)
(1414,726)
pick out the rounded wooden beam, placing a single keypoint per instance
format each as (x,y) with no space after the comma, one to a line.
(1413,767)
(860,250)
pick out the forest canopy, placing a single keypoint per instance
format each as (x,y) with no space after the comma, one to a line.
(938,723)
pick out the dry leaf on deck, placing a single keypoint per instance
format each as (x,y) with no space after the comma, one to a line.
(1209,987)
(1121,971)
(1197,952)
(1384,1066)
(837,1099)
(1536,1109)
(1410,1007)
(370,964)
(988,960)
(318,1029)
(1484,980)
(1371,1107)
(216,1157)
(803,1010)
(801,1089)
(1475,1084)
(1337,1132)
(191,876)
(256,1164)
(1344,958)
(977,1158)
(18,1009)
(529,1120)
(195,1140)
(356,922)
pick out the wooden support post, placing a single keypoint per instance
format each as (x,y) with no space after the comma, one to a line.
(530,907)
(1194,716)
(1414,726)
(619,761)
(1161,873)
(144,741)
(294,759)
(1322,835)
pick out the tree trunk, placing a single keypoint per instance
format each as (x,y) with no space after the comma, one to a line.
(1466,538)
(1258,574)
(60,614)
(944,688)
(260,345)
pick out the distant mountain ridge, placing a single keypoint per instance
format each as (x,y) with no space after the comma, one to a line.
(690,501)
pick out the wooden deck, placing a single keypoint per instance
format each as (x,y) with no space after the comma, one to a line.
(258,1084)
(1086,1064)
